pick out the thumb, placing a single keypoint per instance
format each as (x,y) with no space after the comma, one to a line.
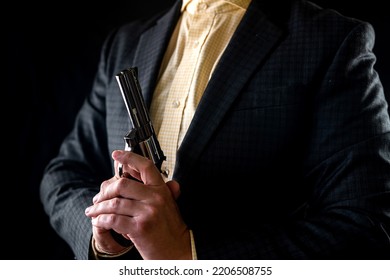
(174,187)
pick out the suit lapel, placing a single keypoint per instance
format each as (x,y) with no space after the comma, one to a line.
(254,39)
(151,49)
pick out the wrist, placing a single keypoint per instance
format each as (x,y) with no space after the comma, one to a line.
(102,254)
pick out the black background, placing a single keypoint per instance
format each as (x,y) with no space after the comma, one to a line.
(52,52)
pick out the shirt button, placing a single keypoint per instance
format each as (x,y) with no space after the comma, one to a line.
(176,103)
(196,43)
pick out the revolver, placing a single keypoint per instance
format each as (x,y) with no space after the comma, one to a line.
(141,138)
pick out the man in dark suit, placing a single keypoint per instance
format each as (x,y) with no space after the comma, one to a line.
(285,154)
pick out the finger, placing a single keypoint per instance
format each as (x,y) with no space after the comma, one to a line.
(105,184)
(125,170)
(122,188)
(130,174)
(174,187)
(121,224)
(116,206)
(148,172)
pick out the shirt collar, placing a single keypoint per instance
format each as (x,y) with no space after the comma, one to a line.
(240,3)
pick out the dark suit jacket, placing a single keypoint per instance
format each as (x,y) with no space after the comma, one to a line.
(287,156)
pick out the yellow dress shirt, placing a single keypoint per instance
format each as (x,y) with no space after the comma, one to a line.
(200,37)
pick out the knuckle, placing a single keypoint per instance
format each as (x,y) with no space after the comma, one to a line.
(114,203)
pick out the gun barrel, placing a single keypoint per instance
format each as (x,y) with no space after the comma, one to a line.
(142,134)
(131,93)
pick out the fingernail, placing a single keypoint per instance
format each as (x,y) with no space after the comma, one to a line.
(117,154)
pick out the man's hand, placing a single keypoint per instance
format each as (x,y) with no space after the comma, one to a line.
(143,210)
